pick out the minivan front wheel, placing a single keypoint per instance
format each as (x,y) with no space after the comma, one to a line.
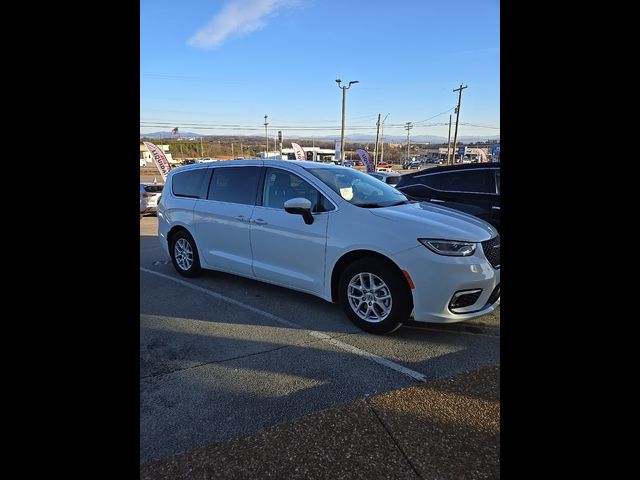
(374,295)
(184,254)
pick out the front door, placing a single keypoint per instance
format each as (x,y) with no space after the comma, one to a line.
(287,251)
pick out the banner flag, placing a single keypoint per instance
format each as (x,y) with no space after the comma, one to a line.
(364,156)
(298,150)
(159,159)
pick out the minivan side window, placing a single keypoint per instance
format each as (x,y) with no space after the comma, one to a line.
(432,181)
(234,185)
(191,183)
(280,186)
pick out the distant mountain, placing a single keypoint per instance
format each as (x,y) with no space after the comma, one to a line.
(353,138)
(168,135)
(471,139)
(358,137)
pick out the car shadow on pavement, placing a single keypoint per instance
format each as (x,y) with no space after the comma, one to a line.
(424,431)
(208,386)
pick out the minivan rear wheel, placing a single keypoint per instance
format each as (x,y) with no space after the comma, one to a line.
(374,295)
(184,254)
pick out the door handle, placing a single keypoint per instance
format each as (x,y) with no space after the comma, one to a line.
(259,221)
(435,200)
(495,207)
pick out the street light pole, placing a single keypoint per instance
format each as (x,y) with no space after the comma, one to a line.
(449,143)
(266,136)
(382,139)
(375,149)
(344,99)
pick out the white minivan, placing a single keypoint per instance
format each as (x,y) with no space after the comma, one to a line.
(333,232)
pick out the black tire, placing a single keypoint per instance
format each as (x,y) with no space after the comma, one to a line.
(184,254)
(387,281)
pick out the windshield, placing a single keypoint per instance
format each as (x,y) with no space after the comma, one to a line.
(358,188)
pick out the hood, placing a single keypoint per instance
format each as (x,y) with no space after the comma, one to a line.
(434,221)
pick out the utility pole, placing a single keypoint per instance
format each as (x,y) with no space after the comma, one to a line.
(232,150)
(201,148)
(266,136)
(375,150)
(408,126)
(344,99)
(241,154)
(382,139)
(455,135)
(449,143)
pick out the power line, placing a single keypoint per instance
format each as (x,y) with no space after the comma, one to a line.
(427,119)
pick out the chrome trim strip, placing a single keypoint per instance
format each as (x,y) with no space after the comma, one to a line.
(465,292)
(444,191)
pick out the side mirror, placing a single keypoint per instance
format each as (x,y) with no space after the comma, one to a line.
(300,206)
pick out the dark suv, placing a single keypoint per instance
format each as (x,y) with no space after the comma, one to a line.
(472,188)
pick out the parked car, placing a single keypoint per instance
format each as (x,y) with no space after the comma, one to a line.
(348,164)
(333,232)
(470,188)
(414,165)
(384,165)
(390,178)
(149,193)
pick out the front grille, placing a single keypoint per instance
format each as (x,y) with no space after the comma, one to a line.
(495,295)
(491,250)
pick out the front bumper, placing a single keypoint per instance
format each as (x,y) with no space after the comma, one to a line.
(438,278)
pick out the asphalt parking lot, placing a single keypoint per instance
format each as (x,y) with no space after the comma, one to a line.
(228,359)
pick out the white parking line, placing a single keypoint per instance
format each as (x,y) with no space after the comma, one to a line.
(322,336)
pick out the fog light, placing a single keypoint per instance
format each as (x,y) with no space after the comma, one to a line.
(464,298)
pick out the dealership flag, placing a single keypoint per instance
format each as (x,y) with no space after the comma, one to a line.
(300,155)
(174,131)
(364,156)
(159,159)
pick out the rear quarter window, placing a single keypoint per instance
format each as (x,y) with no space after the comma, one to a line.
(190,183)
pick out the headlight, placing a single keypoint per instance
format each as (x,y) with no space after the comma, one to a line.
(453,248)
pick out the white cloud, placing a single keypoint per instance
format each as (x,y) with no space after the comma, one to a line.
(238,17)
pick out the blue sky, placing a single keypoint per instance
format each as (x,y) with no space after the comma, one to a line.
(216,67)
